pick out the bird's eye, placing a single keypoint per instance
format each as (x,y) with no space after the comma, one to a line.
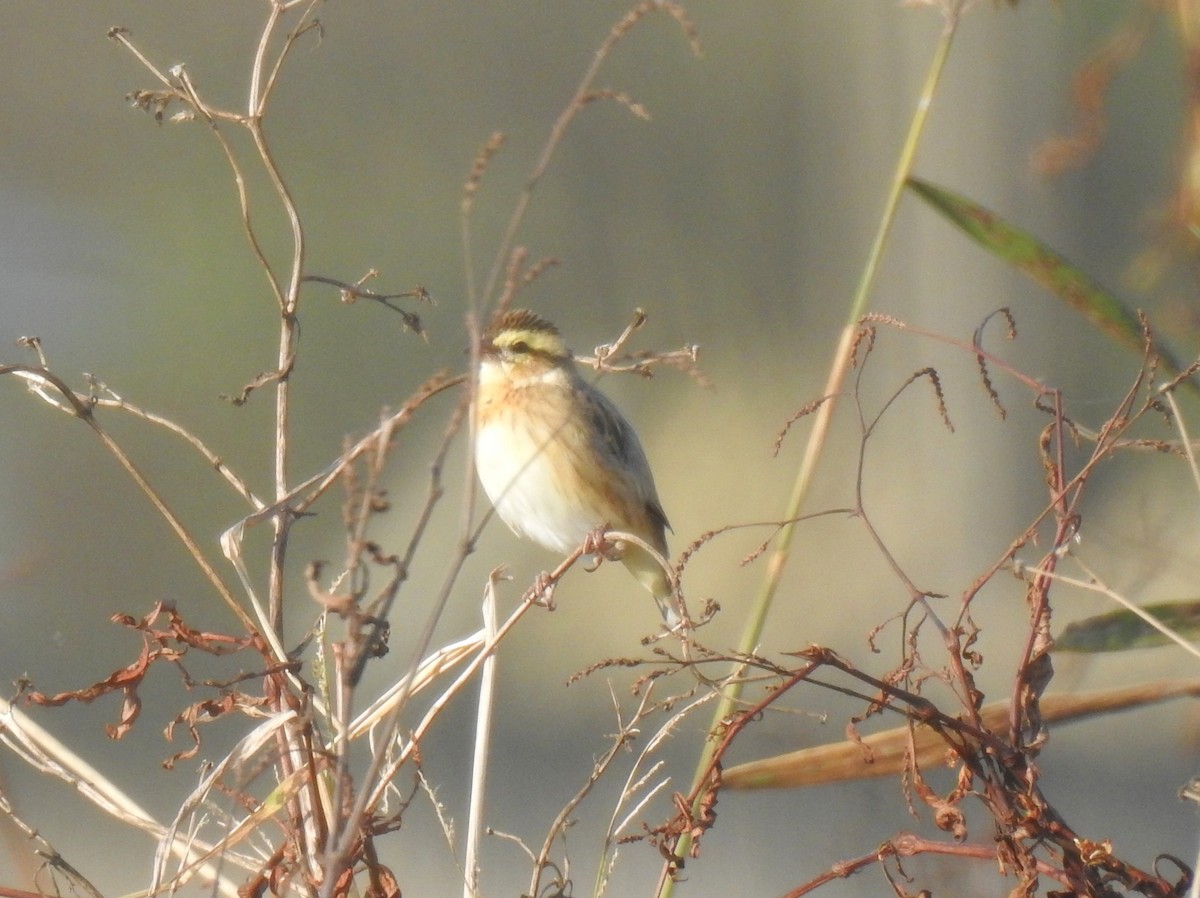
(520,346)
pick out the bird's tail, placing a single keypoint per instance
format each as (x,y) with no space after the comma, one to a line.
(652,575)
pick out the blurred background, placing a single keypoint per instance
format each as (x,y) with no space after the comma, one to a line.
(739,218)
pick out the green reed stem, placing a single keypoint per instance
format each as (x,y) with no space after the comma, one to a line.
(777,562)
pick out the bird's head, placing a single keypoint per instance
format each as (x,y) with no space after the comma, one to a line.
(521,342)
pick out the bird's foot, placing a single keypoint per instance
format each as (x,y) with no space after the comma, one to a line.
(541,592)
(597,544)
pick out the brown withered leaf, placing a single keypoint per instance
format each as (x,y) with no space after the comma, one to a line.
(205,711)
(125,680)
(383,883)
(169,644)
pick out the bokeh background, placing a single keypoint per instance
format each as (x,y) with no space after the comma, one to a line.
(739,217)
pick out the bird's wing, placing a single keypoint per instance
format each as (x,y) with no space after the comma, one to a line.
(622,450)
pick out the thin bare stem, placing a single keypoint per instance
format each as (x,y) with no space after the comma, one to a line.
(81,408)
(218,464)
(575,105)
(1095,584)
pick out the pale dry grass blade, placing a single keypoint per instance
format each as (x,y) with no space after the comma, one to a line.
(481,753)
(41,750)
(889,752)
(243,753)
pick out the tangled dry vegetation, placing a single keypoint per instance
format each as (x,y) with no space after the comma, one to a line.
(323,773)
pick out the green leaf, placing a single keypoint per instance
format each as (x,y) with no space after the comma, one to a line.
(1052,271)
(1121,630)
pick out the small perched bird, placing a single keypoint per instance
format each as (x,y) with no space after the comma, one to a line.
(556,457)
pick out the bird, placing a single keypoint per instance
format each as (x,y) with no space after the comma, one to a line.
(557,458)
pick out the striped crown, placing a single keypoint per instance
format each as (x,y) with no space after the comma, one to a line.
(521,332)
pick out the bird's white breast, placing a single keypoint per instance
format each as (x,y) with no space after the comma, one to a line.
(528,489)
